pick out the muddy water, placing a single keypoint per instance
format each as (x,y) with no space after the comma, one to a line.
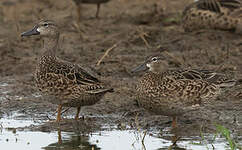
(109,138)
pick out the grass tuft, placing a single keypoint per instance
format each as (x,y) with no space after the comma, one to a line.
(227,135)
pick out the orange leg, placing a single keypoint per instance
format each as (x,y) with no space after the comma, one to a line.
(174,122)
(98,8)
(77,113)
(58,118)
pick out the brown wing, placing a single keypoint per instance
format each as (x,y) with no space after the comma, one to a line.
(209,76)
(199,74)
(191,74)
(66,80)
(74,73)
(189,91)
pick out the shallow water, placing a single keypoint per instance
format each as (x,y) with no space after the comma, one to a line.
(14,136)
(108,139)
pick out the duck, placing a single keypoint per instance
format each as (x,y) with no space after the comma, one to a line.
(213,14)
(174,92)
(79,2)
(62,82)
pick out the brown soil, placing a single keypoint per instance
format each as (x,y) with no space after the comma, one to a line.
(139,28)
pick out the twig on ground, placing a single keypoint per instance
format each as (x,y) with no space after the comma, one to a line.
(143,138)
(175,139)
(56,112)
(227,51)
(177,61)
(65,110)
(136,120)
(1,126)
(142,35)
(48,117)
(80,30)
(106,53)
(62,111)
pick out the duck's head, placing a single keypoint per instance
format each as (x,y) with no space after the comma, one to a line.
(46,28)
(155,64)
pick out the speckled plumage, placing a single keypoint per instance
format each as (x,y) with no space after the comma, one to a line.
(64,83)
(175,92)
(213,14)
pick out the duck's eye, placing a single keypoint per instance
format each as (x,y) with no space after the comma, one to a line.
(154,59)
(46,24)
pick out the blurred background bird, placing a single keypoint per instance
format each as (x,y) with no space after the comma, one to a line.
(97,2)
(213,14)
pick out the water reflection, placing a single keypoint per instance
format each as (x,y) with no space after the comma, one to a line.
(72,142)
(108,139)
(127,139)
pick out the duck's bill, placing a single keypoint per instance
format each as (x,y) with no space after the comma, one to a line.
(34,31)
(140,68)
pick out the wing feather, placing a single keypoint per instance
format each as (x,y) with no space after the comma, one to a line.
(75,73)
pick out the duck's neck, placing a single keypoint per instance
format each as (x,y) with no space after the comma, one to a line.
(50,45)
(155,74)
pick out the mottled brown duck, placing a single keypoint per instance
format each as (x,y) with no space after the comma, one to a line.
(97,2)
(62,82)
(175,92)
(213,14)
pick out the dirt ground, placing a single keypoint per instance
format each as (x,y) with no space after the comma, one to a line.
(136,29)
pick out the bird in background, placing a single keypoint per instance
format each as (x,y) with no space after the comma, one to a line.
(213,14)
(80,2)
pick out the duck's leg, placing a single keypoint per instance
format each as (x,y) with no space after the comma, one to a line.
(78,10)
(174,122)
(98,8)
(58,118)
(59,137)
(77,113)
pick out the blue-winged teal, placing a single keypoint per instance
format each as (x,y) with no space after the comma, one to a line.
(64,83)
(79,2)
(213,14)
(175,92)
